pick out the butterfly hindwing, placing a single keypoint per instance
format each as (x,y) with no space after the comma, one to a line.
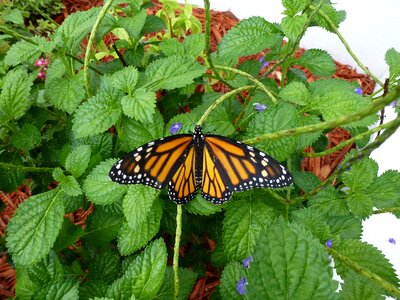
(243,167)
(154,163)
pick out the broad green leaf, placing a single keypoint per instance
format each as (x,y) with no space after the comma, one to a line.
(279,117)
(294,26)
(136,133)
(134,24)
(55,71)
(68,184)
(186,282)
(392,58)
(248,37)
(356,287)
(345,227)
(360,204)
(34,227)
(24,51)
(99,188)
(172,47)
(74,29)
(295,92)
(65,93)
(292,7)
(97,114)
(306,140)
(329,202)
(66,289)
(245,219)
(361,175)
(13,15)
(27,138)
(194,44)
(78,160)
(305,180)
(69,234)
(105,266)
(93,290)
(289,263)
(368,257)
(137,233)
(125,80)
(314,222)
(200,206)
(230,277)
(143,277)
(318,62)
(140,105)
(153,24)
(385,190)
(172,72)
(336,17)
(14,97)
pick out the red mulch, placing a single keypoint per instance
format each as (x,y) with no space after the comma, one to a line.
(221,22)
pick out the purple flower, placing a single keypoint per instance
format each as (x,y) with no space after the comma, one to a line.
(41,62)
(264,65)
(329,244)
(261,59)
(393,103)
(241,286)
(246,262)
(358,91)
(175,127)
(260,107)
(392,241)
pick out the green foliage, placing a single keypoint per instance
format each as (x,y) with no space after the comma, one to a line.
(67,125)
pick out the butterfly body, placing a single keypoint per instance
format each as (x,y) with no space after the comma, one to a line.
(187,162)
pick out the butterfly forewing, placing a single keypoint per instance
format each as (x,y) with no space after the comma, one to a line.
(243,167)
(154,163)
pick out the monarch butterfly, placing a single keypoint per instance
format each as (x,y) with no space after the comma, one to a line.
(186,162)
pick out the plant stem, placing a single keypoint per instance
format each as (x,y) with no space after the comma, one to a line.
(349,141)
(8,166)
(176,249)
(251,78)
(220,100)
(43,14)
(91,42)
(386,285)
(347,46)
(386,210)
(372,108)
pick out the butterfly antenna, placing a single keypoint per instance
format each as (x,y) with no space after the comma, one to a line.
(186,111)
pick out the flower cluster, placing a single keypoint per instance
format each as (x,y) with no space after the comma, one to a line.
(241,285)
(175,127)
(42,63)
(260,107)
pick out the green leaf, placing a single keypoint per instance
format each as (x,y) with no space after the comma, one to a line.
(68,184)
(78,160)
(14,16)
(289,263)
(314,222)
(295,92)
(194,44)
(292,7)
(137,233)
(93,289)
(140,106)
(329,202)
(74,29)
(361,175)
(392,58)
(357,287)
(136,133)
(293,27)
(69,234)
(27,138)
(245,219)
(186,282)
(345,227)
(278,117)
(153,24)
(144,276)
(66,289)
(172,72)
(24,51)
(125,80)
(385,190)
(233,272)
(34,227)
(14,97)
(105,266)
(99,188)
(134,24)
(335,16)
(307,140)
(97,114)
(172,47)
(360,204)
(200,206)
(55,71)
(65,93)
(250,36)
(368,257)
(318,62)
